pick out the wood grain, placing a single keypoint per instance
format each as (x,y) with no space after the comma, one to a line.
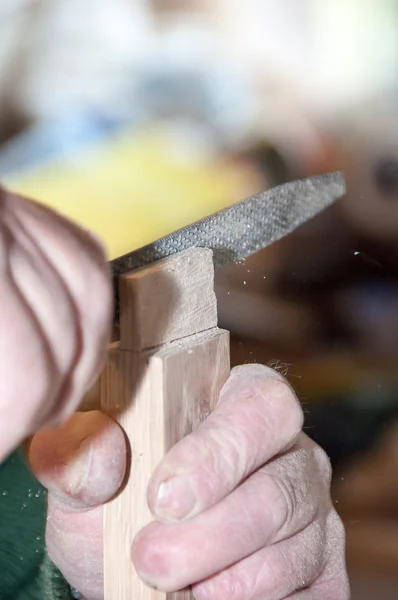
(158,396)
(169,300)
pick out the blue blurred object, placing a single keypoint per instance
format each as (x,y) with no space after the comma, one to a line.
(217,102)
(56,139)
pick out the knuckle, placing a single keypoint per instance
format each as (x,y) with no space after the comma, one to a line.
(300,494)
(286,501)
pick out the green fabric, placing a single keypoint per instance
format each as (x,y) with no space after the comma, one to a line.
(26,573)
(53,584)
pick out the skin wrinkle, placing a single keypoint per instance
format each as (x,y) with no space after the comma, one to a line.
(94,247)
(229,437)
(89,309)
(294,504)
(91,281)
(51,370)
(249,524)
(297,489)
(270,572)
(17,233)
(74,533)
(270,576)
(253,424)
(77,541)
(281,510)
(295,468)
(229,449)
(315,463)
(210,455)
(241,587)
(247,527)
(220,432)
(232,587)
(154,549)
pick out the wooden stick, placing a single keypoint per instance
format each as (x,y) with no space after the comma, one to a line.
(160,381)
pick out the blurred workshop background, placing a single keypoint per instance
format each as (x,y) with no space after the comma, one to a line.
(154,113)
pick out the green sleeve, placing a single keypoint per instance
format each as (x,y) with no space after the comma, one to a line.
(26,572)
(53,584)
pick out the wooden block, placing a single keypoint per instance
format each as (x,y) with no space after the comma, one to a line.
(158,396)
(171,299)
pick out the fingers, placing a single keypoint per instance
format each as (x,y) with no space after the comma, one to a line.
(27,371)
(79,260)
(34,287)
(275,503)
(258,416)
(272,573)
(82,464)
(277,572)
(56,301)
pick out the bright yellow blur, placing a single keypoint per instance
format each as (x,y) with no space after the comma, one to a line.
(131,191)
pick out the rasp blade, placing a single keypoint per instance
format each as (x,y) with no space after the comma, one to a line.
(245,228)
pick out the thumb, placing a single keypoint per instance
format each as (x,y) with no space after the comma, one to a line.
(82,463)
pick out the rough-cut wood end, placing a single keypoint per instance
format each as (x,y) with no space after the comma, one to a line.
(169,300)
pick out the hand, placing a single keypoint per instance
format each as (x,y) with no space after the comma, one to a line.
(258,522)
(55,316)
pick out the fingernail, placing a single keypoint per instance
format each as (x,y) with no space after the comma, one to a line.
(175,499)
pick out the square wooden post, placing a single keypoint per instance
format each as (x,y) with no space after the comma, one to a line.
(159,382)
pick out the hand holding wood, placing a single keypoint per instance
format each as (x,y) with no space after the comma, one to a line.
(260,521)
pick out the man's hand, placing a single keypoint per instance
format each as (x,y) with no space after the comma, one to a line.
(241,507)
(55,315)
